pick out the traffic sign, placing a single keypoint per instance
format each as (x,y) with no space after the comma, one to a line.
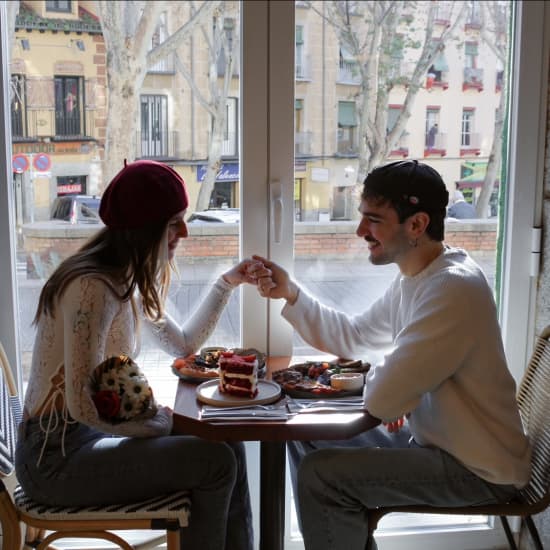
(20,163)
(42,162)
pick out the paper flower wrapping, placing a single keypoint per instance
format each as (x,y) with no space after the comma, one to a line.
(120,390)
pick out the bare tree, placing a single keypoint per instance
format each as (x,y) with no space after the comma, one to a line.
(390,49)
(494,32)
(128,28)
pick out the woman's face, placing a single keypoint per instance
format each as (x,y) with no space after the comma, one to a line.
(176,230)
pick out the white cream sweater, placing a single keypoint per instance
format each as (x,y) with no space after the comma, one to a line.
(90,325)
(444,363)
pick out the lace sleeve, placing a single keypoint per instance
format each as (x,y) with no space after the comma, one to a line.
(187,339)
(89,310)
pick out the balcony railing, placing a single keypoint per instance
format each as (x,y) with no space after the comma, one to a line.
(47,123)
(348,73)
(163,66)
(346,144)
(230,145)
(473,78)
(401,148)
(302,143)
(157,145)
(435,145)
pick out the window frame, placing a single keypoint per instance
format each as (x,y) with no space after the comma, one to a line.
(268,181)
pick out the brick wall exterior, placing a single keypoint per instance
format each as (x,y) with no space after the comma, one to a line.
(328,241)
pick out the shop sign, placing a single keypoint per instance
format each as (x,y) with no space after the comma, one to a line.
(228,172)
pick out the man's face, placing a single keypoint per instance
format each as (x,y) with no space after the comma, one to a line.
(387,239)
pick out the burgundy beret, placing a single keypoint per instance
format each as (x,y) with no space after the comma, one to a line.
(142,193)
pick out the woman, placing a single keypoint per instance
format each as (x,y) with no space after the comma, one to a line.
(91,309)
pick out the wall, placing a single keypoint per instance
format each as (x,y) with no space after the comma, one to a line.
(46,244)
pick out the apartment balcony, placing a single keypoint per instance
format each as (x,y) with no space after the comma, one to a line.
(470,145)
(348,73)
(40,124)
(472,79)
(401,148)
(163,66)
(437,80)
(346,145)
(157,145)
(435,146)
(303,143)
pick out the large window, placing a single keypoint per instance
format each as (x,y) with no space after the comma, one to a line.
(154,126)
(68,106)
(270,202)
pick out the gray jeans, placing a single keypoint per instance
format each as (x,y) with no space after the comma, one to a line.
(337,481)
(100,469)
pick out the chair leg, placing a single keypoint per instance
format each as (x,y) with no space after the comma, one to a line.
(9,521)
(508,532)
(534,533)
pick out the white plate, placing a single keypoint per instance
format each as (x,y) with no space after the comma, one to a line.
(209,393)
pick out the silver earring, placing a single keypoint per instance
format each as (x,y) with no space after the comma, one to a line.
(413,243)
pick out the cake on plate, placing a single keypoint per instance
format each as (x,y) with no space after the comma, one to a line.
(238,374)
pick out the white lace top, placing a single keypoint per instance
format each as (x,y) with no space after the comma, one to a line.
(90,325)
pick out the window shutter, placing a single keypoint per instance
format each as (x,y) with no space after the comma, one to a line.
(346,114)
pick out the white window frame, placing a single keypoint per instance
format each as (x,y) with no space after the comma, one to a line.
(267,197)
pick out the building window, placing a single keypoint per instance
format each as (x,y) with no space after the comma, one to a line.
(165,65)
(470,55)
(299,53)
(227,48)
(347,128)
(154,126)
(58,5)
(230,135)
(432,129)
(18,110)
(467,128)
(348,72)
(69,116)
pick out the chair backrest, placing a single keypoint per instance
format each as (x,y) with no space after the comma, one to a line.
(534,406)
(10,415)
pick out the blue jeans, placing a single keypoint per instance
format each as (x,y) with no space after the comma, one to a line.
(337,481)
(100,469)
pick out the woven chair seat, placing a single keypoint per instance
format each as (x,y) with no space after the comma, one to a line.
(172,506)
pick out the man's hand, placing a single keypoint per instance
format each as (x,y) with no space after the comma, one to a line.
(276,283)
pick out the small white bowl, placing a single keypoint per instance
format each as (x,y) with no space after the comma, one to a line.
(347,380)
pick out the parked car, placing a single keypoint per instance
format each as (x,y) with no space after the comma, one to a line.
(223,215)
(76,209)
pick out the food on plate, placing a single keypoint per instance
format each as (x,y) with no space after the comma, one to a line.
(314,377)
(192,367)
(238,374)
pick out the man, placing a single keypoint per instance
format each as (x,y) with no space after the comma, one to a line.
(444,370)
(462,210)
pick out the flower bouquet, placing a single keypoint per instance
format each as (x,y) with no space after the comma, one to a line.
(120,390)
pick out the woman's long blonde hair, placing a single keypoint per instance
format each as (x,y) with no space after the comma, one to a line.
(122,258)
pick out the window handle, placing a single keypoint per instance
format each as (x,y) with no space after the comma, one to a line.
(276,210)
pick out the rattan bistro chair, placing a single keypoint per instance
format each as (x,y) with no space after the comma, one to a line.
(534,405)
(45,524)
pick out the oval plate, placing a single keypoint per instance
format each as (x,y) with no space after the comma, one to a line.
(209,393)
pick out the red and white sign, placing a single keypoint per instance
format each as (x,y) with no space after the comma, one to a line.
(20,163)
(42,162)
(66,189)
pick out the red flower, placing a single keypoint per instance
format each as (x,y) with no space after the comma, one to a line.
(107,403)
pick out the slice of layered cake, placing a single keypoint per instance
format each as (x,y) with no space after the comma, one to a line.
(238,374)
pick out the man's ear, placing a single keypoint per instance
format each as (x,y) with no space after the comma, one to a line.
(418,223)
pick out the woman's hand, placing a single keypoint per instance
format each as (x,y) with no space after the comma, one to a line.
(276,283)
(246,271)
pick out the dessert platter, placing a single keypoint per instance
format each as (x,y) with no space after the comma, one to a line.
(238,383)
(323,379)
(204,366)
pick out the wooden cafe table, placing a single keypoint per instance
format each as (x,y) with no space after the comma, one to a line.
(272,436)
